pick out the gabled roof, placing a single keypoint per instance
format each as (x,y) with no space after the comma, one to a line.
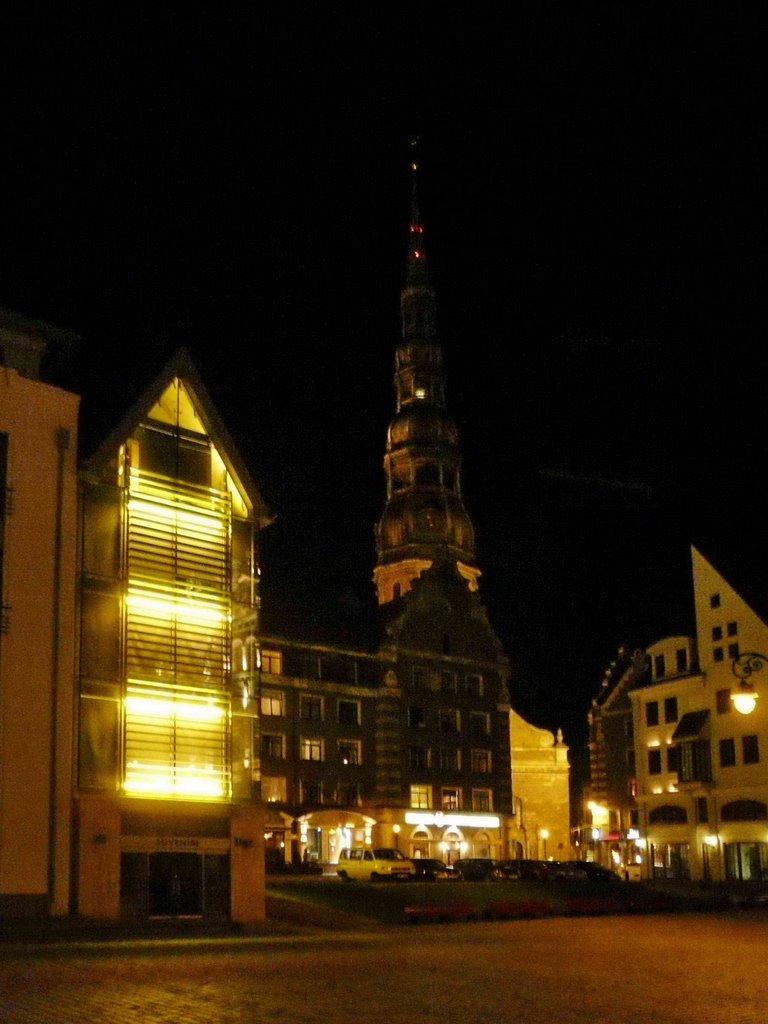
(180,365)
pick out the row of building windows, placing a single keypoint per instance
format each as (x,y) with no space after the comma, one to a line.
(750,754)
(422,796)
(449,720)
(451,798)
(311,708)
(471,685)
(448,758)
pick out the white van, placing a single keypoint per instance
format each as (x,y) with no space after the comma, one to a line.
(373,864)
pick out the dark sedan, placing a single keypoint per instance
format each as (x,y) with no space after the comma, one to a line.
(428,869)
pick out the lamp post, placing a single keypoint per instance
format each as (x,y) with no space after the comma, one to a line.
(396,830)
(745,698)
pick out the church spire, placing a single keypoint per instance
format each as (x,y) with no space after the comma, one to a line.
(424,520)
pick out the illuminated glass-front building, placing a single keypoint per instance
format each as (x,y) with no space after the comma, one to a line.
(169,817)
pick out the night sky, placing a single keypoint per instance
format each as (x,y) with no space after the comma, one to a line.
(235,178)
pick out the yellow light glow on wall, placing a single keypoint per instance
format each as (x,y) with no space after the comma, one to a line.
(198,521)
(175,605)
(159,780)
(190,710)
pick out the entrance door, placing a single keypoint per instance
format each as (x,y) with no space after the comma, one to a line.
(175,884)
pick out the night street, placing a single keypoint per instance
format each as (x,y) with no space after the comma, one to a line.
(664,969)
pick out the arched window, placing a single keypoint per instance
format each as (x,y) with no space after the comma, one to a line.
(668,814)
(744,810)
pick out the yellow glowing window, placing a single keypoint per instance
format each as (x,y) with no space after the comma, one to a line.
(176,743)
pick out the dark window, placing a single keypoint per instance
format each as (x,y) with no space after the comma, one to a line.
(659,666)
(312,708)
(449,683)
(693,761)
(630,758)
(727,753)
(417,717)
(418,757)
(654,761)
(652,712)
(733,650)
(670,709)
(449,720)
(744,810)
(669,814)
(681,659)
(723,699)
(717,632)
(702,810)
(272,745)
(419,677)
(714,600)
(717,654)
(672,759)
(349,712)
(750,749)
(733,629)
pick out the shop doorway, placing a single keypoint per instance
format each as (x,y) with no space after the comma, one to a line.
(174,885)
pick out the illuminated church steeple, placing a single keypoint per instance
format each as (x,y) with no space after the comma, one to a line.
(424,520)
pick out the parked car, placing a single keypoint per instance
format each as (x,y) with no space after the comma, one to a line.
(536,870)
(373,864)
(428,869)
(479,869)
(597,873)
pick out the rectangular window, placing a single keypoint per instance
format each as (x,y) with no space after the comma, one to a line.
(654,761)
(733,650)
(450,798)
(727,753)
(702,810)
(421,797)
(311,792)
(272,745)
(652,712)
(419,677)
(714,600)
(479,724)
(670,709)
(723,702)
(659,666)
(348,795)
(311,708)
(750,749)
(482,800)
(350,752)
(717,633)
(733,629)
(672,759)
(694,763)
(349,712)
(417,717)
(473,685)
(449,720)
(273,703)
(681,659)
(717,654)
(450,758)
(311,748)
(272,661)
(418,757)
(481,761)
(449,683)
(274,788)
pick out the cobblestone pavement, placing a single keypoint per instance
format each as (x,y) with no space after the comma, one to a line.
(607,970)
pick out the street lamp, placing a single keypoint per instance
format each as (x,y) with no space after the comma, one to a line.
(396,830)
(745,698)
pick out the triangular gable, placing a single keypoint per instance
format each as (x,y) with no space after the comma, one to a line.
(180,373)
(717,605)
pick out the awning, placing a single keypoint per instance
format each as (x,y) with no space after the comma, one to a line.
(691,725)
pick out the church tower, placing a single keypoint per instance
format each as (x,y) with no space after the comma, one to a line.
(424,520)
